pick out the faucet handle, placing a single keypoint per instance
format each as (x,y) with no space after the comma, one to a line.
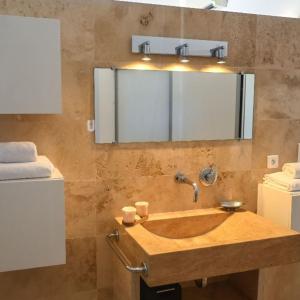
(209,175)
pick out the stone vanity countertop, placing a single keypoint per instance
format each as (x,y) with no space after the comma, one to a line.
(202,228)
(182,246)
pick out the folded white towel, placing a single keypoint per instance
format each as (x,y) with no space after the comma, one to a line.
(283,181)
(292,170)
(17,152)
(274,185)
(38,169)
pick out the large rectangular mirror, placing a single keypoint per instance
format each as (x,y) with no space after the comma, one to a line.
(156,106)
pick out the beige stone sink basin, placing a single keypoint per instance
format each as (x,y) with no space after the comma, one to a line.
(185,226)
(187,245)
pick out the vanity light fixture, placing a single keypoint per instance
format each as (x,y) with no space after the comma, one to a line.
(218,52)
(145,49)
(183,52)
(181,47)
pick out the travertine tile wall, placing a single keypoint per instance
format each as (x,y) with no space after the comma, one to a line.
(100,179)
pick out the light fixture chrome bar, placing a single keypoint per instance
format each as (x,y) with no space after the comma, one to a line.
(167,46)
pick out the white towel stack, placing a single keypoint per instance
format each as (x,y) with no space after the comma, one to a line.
(17,152)
(288,179)
(19,160)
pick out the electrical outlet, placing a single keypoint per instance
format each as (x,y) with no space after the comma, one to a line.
(272,161)
(90,124)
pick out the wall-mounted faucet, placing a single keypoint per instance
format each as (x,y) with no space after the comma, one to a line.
(181,178)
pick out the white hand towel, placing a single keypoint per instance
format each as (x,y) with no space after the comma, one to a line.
(17,152)
(283,181)
(274,185)
(292,170)
(39,169)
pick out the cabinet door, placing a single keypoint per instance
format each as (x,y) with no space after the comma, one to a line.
(32,223)
(30,66)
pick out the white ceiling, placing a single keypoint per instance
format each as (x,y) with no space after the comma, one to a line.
(282,8)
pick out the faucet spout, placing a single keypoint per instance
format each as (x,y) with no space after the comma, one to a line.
(196,192)
(181,178)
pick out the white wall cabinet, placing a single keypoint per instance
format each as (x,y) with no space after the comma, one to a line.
(30,66)
(32,223)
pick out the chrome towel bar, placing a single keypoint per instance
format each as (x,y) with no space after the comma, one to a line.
(112,240)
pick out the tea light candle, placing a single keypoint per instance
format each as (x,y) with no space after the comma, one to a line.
(142,208)
(129,215)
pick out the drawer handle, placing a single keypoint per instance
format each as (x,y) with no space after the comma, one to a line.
(165,291)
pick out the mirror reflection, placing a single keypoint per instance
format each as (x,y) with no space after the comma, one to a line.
(155,106)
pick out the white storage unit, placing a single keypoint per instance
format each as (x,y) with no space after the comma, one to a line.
(282,208)
(30,65)
(32,223)
(279,206)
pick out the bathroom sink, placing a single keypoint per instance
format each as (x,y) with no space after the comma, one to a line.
(187,245)
(182,227)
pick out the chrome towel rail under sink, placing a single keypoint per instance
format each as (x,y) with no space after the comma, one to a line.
(112,240)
